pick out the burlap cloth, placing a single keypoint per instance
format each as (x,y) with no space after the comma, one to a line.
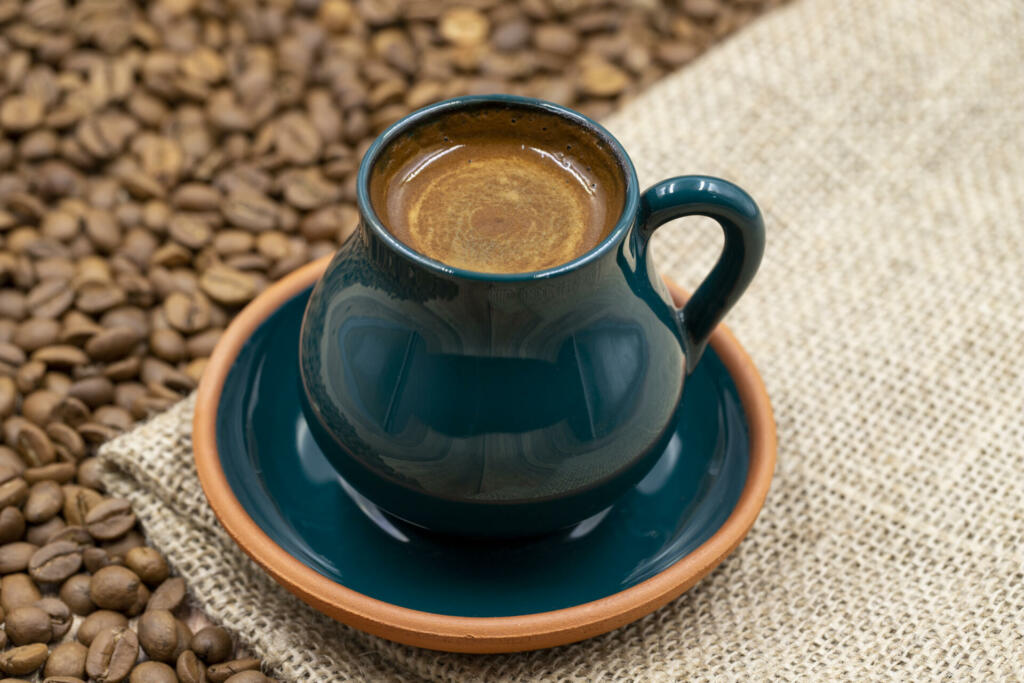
(883,140)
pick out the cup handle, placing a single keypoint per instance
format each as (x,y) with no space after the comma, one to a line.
(743,226)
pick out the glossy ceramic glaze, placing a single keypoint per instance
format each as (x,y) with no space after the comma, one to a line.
(229,413)
(286,484)
(511,405)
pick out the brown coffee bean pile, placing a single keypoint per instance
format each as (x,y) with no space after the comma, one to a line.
(162,162)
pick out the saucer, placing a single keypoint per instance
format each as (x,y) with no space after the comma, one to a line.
(280,500)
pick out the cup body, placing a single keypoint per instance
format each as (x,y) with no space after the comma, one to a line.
(491,405)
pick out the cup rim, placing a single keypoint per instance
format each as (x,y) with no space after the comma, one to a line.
(374,223)
(457,633)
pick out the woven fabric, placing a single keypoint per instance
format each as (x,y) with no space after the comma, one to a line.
(883,141)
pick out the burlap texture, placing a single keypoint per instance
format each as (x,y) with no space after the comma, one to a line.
(883,140)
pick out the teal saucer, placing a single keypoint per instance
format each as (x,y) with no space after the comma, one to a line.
(278,496)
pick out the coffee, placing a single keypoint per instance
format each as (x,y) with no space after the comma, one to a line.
(499,190)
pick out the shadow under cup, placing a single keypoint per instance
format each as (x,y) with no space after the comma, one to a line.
(499,188)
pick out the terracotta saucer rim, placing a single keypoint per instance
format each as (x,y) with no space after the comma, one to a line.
(472,634)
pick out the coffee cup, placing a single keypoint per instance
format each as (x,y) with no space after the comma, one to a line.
(492,353)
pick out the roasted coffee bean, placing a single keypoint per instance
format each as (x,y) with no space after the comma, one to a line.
(148,564)
(28,624)
(67,659)
(19,661)
(96,433)
(49,298)
(12,524)
(118,548)
(190,669)
(153,672)
(36,333)
(38,406)
(249,677)
(74,534)
(158,634)
(60,616)
(61,356)
(55,561)
(138,606)
(218,673)
(100,620)
(187,313)
(110,519)
(18,590)
(112,654)
(114,587)
(113,343)
(14,556)
(33,445)
(13,492)
(96,559)
(212,644)
(75,593)
(168,595)
(45,499)
(41,534)
(90,473)
(60,472)
(78,501)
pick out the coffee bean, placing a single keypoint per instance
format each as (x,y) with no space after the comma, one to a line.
(75,593)
(168,595)
(36,333)
(14,556)
(18,590)
(60,355)
(113,343)
(12,524)
(32,445)
(48,299)
(97,297)
(96,433)
(66,659)
(190,669)
(55,561)
(71,411)
(112,654)
(248,677)
(153,672)
(41,534)
(39,405)
(28,624)
(187,313)
(19,661)
(110,519)
(95,559)
(60,616)
(64,436)
(78,501)
(114,588)
(118,548)
(148,564)
(158,634)
(8,396)
(45,499)
(114,417)
(74,534)
(212,644)
(90,473)
(21,112)
(98,621)
(227,285)
(60,472)
(218,673)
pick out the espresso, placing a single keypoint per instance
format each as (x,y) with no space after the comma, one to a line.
(502,192)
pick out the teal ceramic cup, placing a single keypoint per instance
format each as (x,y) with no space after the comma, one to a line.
(512,404)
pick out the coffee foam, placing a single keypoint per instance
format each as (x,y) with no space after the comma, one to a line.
(499,190)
